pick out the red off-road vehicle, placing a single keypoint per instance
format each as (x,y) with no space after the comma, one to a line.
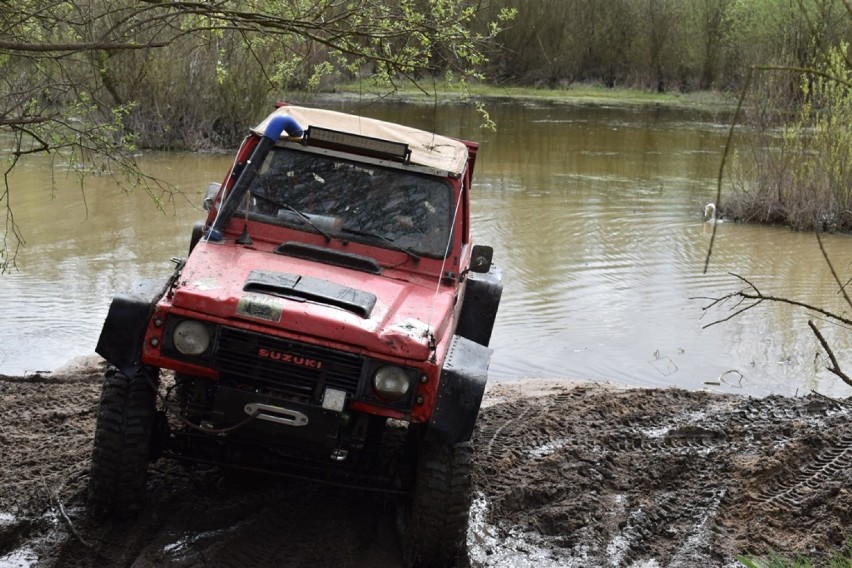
(332,293)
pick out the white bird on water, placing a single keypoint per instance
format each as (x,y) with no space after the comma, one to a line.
(710,214)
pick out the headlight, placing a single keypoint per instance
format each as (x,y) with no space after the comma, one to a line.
(391,383)
(191,337)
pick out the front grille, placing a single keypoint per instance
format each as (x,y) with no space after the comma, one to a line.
(280,366)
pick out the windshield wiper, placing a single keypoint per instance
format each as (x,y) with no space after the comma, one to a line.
(414,256)
(297,212)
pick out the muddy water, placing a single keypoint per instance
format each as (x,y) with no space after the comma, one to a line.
(595,217)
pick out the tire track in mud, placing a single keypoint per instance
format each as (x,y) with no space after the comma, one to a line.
(46,426)
(616,478)
(832,465)
(273,523)
(585,475)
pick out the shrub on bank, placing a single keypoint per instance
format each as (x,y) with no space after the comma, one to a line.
(794,165)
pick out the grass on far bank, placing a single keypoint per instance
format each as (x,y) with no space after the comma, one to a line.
(590,94)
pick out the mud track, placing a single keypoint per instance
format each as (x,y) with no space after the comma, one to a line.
(566,475)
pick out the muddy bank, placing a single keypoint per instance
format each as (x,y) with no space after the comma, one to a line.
(566,474)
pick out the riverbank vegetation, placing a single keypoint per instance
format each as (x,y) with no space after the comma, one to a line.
(90,82)
(187,75)
(661,45)
(794,164)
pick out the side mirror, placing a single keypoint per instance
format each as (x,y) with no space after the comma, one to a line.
(480,258)
(210,195)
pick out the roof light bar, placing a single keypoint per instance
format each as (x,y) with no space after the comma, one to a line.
(336,140)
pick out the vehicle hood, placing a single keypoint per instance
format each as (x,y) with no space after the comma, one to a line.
(374,312)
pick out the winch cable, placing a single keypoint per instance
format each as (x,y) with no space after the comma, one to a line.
(166,405)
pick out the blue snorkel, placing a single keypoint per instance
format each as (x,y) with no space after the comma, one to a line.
(271,135)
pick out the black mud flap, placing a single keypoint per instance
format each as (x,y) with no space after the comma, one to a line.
(460,393)
(481,300)
(123,332)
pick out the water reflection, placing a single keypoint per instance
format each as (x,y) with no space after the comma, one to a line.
(595,216)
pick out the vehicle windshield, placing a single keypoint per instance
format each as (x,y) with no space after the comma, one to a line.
(384,207)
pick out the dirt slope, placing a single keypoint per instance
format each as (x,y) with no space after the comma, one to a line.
(566,475)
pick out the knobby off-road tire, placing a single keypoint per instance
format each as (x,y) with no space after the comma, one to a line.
(122,445)
(435,534)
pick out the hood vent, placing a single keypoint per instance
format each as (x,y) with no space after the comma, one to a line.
(329,256)
(309,289)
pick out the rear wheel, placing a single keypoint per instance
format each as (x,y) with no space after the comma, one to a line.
(123,443)
(434,519)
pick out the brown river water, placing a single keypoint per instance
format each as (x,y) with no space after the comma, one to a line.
(595,215)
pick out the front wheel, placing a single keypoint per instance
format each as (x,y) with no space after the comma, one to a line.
(434,520)
(122,445)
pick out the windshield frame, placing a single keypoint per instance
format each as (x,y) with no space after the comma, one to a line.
(350,198)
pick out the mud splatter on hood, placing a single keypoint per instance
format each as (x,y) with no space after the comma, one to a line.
(377,312)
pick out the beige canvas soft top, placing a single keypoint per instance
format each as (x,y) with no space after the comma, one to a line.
(427,149)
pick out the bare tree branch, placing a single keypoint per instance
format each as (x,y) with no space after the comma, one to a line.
(757,297)
(840,285)
(835,366)
(15,47)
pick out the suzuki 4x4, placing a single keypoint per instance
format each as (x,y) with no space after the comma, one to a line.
(332,293)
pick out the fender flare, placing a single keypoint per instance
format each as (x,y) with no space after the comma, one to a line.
(481,301)
(123,332)
(463,379)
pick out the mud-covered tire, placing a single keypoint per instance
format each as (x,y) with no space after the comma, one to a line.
(434,533)
(122,445)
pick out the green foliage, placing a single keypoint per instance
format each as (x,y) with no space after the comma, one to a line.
(823,121)
(204,71)
(661,44)
(842,559)
(88,82)
(797,167)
